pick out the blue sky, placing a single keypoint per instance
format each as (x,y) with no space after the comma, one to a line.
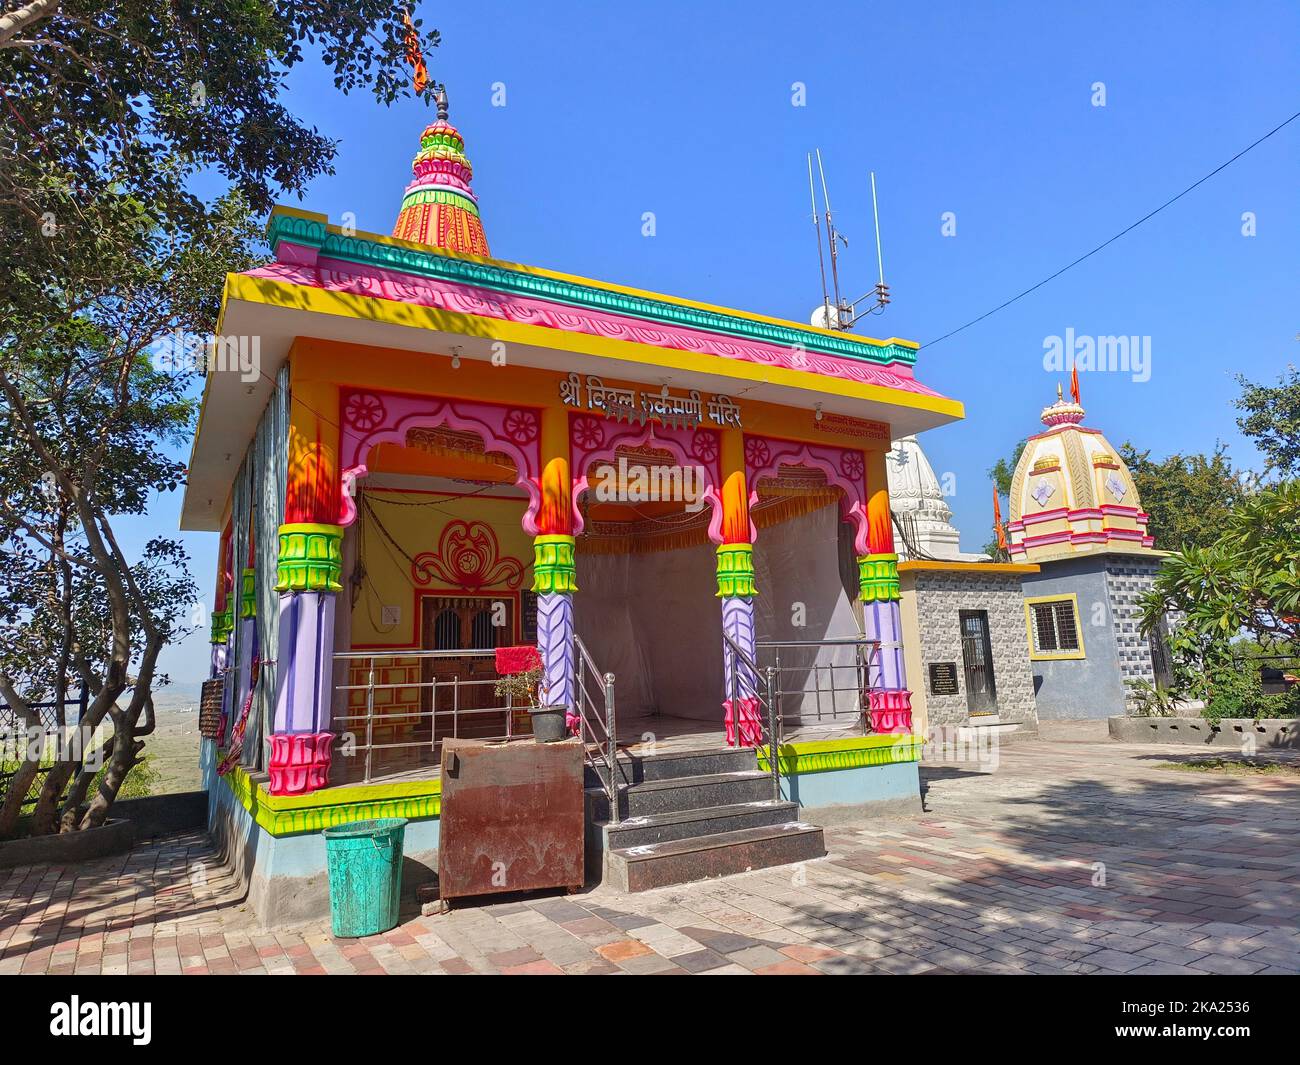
(982,110)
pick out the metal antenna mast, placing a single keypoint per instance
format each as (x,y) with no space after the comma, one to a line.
(881,291)
(875,213)
(832,236)
(821,259)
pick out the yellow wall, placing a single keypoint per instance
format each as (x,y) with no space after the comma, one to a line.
(319,366)
(418,529)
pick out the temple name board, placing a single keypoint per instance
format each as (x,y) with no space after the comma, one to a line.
(847,425)
(943,678)
(630,404)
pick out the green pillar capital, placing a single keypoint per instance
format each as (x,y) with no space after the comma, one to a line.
(310,558)
(553,566)
(736,571)
(878,578)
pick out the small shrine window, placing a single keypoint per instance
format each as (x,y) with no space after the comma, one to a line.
(1054,630)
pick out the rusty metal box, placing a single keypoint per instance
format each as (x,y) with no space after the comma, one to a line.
(512,817)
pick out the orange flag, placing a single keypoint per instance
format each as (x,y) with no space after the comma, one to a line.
(1074,383)
(414,54)
(997,520)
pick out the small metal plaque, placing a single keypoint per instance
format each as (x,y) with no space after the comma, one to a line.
(943,678)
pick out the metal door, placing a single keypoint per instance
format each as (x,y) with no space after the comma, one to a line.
(977,662)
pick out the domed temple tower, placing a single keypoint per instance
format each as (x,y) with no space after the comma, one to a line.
(1075,512)
(1071,495)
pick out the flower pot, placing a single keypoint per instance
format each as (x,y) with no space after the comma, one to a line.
(548,724)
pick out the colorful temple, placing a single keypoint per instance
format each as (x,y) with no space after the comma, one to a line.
(684,508)
(1075,514)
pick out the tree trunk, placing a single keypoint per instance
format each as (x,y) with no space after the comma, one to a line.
(14,22)
(19,784)
(71,810)
(43,816)
(125,751)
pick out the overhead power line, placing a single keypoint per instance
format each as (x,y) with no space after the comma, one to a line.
(1122,232)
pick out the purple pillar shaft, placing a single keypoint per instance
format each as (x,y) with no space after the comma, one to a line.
(738,623)
(305,666)
(884,622)
(555,646)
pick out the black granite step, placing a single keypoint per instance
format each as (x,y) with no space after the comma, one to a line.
(640,868)
(692,793)
(707,820)
(638,768)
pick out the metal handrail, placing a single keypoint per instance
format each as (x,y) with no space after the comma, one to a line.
(588,716)
(366,713)
(742,658)
(866,661)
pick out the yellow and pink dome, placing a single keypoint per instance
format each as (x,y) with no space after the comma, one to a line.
(439,208)
(1071,493)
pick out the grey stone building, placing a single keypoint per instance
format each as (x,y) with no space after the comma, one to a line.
(966,644)
(964,637)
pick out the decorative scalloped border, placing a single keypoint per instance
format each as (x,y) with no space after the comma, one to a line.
(289,815)
(824,756)
(356,249)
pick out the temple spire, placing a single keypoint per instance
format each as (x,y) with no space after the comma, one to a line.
(439,208)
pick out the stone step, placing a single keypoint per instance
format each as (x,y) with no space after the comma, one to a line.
(638,768)
(708,820)
(656,865)
(693,793)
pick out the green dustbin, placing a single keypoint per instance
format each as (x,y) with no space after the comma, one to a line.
(365,870)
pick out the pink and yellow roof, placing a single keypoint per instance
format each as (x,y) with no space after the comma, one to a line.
(431,287)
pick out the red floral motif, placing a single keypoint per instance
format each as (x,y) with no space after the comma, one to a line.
(588,433)
(705,445)
(521,426)
(364,411)
(757,453)
(468,557)
(852,466)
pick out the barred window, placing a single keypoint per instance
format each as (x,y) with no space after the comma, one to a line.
(1055,628)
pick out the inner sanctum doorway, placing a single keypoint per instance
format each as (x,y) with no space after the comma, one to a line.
(459,689)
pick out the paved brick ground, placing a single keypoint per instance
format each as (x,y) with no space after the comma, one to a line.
(1072,856)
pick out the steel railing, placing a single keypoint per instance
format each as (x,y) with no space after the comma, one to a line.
(453,708)
(598,731)
(828,679)
(744,676)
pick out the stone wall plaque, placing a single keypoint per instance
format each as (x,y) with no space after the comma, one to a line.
(943,678)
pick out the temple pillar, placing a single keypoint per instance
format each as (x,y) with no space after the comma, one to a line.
(308,579)
(247,626)
(734,535)
(890,700)
(222,611)
(247,639)
(555,581)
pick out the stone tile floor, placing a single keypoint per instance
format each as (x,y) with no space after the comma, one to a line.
(1074,855)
